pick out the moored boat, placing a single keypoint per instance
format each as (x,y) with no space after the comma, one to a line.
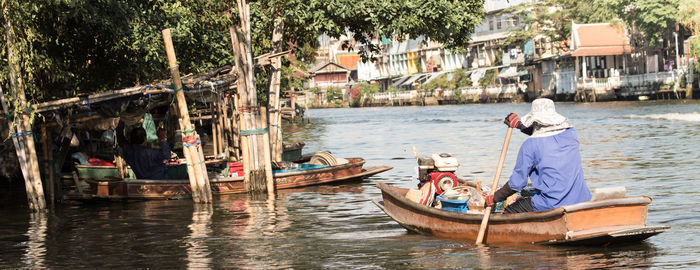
(117,189)
(595,222)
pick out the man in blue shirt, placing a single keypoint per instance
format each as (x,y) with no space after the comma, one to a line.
(550,158)
(146,162)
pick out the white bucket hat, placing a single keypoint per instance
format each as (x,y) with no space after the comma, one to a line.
(545,118)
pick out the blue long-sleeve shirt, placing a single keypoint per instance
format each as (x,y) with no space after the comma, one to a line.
(553,164)
(146,162)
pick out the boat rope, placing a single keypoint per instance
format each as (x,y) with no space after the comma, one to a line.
(192,144)
(248,132)
(190,140)
(22,134)
(172,101)
(87,100)
(196,163)
(148,88)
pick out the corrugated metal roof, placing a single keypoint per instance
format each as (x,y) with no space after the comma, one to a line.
(601,51)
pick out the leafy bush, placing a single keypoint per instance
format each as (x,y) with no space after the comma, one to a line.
(369,89)
(683,81)
(459,96)
(333,94)
(489,78)
(461,78)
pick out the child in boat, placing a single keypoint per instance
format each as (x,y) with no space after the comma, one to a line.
(146,162)
(550,158)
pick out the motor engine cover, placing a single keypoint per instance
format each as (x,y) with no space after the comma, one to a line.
(443,181)
(445,162)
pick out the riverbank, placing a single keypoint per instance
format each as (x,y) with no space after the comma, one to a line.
(462,96)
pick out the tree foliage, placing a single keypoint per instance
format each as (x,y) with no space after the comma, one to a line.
(653,18)
(689,16)
(552,19)
(68,47)
(71,47)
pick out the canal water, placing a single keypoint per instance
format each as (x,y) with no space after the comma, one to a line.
(651,148)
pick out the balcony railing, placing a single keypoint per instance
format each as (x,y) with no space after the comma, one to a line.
(627,81)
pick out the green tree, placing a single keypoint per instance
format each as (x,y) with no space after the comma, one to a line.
(71,47)
(76,47)
(653,18)
(689,16)
(552,19)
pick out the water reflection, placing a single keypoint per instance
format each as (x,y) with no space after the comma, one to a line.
(200,229)
(35,253)
(637,256)
(266,219)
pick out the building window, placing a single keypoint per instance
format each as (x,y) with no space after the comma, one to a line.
(498,24)
(491,25)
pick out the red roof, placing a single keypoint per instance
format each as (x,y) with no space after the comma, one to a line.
(600,39)
(348,60)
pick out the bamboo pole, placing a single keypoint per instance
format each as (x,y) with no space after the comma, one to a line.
(220,124)
(214,129)
(307,113)
(252,140)
(293,101)
(199,180)
(242,83)
(270,181)
(275,117)
(48,163)
(226,124)
(235,131)
(25,148)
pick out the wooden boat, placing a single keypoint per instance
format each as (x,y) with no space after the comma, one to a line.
(589,223)
(113,189)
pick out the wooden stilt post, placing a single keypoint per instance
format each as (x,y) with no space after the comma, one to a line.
(270,181)
(293,104)
(252,139)
(196,169)
(220,124)
(214,129)
(24,139)
(228,136)
(48,163)
(307,113)
(236,127)
(275,117)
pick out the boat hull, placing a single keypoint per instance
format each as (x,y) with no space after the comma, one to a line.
(590,221)
(180,189)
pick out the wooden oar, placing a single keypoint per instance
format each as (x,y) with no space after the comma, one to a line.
(487,210)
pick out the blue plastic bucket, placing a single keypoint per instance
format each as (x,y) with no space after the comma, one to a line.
(458,206)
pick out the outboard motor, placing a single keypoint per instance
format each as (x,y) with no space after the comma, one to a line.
(438,170)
